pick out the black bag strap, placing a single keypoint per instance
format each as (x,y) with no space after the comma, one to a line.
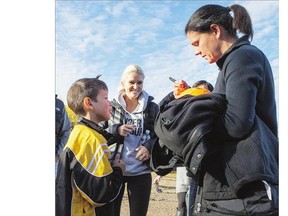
(118,150)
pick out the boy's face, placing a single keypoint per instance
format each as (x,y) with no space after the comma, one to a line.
(102,108)
(202,86)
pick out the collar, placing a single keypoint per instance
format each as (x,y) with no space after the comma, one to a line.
(238,43)
(96,127)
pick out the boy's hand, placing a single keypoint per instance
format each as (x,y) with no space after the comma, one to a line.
(179,87)
(119,163)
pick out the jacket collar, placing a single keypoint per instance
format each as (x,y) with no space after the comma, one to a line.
(238,43)
(96,127)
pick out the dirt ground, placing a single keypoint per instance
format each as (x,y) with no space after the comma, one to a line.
(161,204)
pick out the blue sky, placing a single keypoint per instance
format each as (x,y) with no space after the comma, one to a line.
(79,40)
(103,37)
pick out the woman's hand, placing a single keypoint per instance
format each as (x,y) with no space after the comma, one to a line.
(179,87)
(125,130)
(142,153)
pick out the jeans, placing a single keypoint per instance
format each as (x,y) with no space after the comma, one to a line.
(192,195)
(56,167)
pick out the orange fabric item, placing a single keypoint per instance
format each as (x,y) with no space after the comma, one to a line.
(194,92)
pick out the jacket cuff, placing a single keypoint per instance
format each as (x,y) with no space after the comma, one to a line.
(114,129)
(117,170)
(149,144)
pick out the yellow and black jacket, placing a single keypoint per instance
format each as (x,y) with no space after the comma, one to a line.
(86,184)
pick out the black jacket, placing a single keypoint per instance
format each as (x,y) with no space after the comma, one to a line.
(246,80)
(191,128)
(249,151)
(185,125)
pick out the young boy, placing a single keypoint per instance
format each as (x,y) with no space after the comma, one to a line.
(186,183)
(86,183)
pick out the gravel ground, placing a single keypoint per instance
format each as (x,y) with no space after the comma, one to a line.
(161,204)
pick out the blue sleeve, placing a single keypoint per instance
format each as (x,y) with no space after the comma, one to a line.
(65,131)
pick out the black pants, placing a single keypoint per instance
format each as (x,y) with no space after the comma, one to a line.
(254,201)
(138,189)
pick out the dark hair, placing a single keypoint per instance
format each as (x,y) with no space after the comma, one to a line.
(82,88)
(207,85)
(201,19)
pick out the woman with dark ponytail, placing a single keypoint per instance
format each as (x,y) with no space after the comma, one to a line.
(241,177)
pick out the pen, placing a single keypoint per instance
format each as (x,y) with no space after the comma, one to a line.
(173,80)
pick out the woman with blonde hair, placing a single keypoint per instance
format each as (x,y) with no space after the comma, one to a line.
(133,115)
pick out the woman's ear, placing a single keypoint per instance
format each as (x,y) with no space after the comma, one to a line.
(215,28)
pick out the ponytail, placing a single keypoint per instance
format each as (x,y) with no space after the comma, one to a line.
(233,19)
(241,20)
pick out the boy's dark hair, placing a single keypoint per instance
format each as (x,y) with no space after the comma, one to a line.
(208,85)
(82,88)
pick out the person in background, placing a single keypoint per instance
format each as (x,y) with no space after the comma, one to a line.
(186,183)
(86,182)
(133,115)
(62,129)
(202,84)
(183,182)
(241,177)
(182,189)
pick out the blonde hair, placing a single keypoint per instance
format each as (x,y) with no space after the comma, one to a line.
(133,68)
